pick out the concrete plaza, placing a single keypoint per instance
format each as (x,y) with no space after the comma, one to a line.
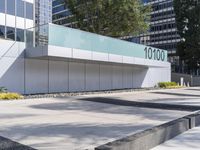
(73,123)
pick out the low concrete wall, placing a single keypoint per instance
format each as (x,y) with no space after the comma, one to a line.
(175,77)
(155,136)
(195,81)
(53,75)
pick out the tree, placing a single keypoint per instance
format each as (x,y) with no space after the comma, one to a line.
(188,25)
(114,18)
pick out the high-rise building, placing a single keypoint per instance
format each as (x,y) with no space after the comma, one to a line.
(61,14)
(15,16)
(163,32)
(43,15)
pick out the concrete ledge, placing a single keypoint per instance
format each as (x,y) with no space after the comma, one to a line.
(7,144)
(150,138)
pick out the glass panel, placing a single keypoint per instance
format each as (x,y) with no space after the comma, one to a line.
(2,6)
(73,38)
(29,38)
(10,33)
(20,8)
(20,35)
(58,2)
(41,36)
(2,31)
(29,11)
(11,7)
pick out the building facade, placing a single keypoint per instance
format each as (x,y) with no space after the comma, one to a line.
(61,14)
(15,16)
(69,60)
(163,32)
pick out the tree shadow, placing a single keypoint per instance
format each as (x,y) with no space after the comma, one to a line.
(111,106)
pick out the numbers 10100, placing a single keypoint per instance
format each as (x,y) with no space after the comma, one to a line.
(155,54)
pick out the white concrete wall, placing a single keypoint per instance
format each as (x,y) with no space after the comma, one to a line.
(45,76)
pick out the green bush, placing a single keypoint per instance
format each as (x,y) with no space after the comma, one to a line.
(167,84)
(8,96)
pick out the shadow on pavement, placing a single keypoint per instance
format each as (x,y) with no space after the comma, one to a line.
(142,104)
(176,94)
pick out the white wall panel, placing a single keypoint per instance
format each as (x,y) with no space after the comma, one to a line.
(139,61)
(11,49)
(128,60)
(82,54)
(30,1)
(20,22)
(2,19)
(127,77)
(105,77)
(58,76)
(139,74)
(29,23)
(92,77)
(115,58)
(10,20)
(99,56)
(76,76)
(12,74)
(36,76)
(117,77)
(58,51)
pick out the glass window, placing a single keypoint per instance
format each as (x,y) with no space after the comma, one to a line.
(2,6)
(2,31)
(10,33)
(11,7)
(29,11)
(20,8)
(20,35)
(57,2)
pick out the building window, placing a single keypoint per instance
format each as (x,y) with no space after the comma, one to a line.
(20,35)
(29,11)
(58,2)
(20,8)
(2,31)
(11,7)
(2,6)
(10,34)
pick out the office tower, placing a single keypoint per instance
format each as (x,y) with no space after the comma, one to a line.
(163,32)
(15,16)
(43,15)
(61,14)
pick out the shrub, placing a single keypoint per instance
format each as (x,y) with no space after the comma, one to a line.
(7,96)
(167,84)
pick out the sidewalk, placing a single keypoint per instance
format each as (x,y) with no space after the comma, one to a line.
(189,140)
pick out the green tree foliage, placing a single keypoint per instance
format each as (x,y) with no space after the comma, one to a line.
(188,25)
(114,18)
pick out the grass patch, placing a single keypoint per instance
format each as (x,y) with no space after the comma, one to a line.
(10,96)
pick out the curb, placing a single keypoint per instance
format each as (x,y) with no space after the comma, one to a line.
(7,144)
(155,136)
